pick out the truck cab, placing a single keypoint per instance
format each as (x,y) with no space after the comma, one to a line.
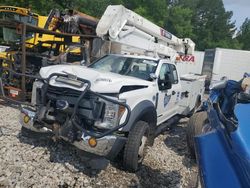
(162,81)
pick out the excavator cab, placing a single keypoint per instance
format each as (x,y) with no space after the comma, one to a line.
(17,14)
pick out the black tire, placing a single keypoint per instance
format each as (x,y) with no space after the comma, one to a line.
(197,105)
(131,157)
(194,128)
(32,134)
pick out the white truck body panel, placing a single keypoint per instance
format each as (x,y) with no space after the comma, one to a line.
(134,97)
(190,67)
(226,62)
(194,85)
(230,63)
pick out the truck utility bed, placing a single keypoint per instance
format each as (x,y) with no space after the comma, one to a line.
(192,92)
(192,77)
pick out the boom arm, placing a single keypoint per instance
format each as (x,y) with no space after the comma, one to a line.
(125,26)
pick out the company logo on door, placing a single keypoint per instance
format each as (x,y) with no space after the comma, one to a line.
(166,100)
(188,58)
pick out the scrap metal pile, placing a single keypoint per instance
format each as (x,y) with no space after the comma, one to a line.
(71,21)
(61,38)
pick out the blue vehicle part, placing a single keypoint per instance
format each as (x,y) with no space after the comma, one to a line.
(224,157)
(241,143)
(227,93)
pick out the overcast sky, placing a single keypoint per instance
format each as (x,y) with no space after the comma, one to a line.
(240,8)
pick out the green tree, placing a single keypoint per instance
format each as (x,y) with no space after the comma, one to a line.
(244,35)
(212,25)
(179,21)
(154,10)
(41,7)
(95,7)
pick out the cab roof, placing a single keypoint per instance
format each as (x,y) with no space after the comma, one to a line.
(137,56)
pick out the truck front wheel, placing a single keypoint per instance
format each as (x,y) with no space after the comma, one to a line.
(135,148)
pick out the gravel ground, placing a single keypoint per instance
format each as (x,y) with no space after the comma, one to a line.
(43,163)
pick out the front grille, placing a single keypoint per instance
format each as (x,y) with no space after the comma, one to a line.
(64,91)
(89,106)
(71,95)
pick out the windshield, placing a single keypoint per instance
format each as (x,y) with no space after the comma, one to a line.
(129,66)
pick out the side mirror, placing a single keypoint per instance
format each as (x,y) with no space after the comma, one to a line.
(164,84)
(83,62)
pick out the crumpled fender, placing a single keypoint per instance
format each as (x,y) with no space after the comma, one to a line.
(224,158)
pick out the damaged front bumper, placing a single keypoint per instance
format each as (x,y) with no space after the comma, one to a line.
(108,141)
(107,146)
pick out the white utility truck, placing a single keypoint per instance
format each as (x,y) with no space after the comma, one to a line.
(119,103)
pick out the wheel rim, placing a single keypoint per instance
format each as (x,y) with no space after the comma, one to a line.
(141,152)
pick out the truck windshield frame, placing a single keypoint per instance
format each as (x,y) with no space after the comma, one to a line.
(125,65)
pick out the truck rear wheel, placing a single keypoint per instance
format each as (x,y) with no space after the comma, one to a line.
(136,146)
(194,127)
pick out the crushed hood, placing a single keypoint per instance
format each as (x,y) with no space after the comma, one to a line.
(102,82)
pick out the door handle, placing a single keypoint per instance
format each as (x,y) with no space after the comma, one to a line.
(173,92)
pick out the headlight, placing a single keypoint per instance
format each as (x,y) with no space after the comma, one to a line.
(112,116)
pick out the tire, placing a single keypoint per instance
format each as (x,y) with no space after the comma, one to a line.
(197,105)
(32,134)
(136,146)
(194,128)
